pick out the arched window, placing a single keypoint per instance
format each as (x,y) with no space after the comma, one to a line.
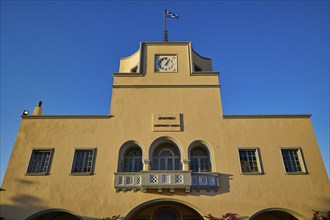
(166,213)
(200,159)
(133,160)
(166,157)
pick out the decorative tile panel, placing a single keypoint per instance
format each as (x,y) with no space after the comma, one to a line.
(138,180)
(156,179)
(202,180)
(129,180)
(121,180)
(194,180)
(212,180)
(153,178)
(166,179)
(178,178)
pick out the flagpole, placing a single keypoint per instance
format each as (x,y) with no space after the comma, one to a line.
(165,31)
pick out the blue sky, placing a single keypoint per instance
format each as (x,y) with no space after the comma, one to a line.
(273,56)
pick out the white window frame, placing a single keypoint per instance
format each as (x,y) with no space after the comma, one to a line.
(134,160)
(85,163)
(258,160)
(173,157)
(200,158)
(46,162)
(300,159)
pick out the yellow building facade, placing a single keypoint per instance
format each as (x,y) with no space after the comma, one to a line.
(165,151)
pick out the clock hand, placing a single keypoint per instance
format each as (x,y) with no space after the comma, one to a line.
(167,62)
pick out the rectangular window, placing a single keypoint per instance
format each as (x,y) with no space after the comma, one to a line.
(40,162)
(293,160)
(83,161)
(249,161)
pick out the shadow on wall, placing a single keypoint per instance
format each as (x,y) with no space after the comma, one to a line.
(24,204)
(21,204)
(8,212)
(224,182)
(29,208)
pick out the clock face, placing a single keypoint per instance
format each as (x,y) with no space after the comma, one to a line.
(166,63)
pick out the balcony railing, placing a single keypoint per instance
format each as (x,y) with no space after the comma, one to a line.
(174,179)
(206,181)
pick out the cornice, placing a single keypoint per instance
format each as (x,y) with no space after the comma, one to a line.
(127,74)
(266,116)
(168,43)
(204,73)
(66,116)
(167,86)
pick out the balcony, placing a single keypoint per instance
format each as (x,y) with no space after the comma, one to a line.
(208,181)
(161,179)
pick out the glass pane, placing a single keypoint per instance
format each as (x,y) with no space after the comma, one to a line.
(204,165)
(162,165)
(291,160)
(194,165)
(177,164)
(200,161)
(137,164)
(248,161)
(155,165)
(127,164)
(170,163)
(39,161)
(83,160)
(244,166)
(166,153)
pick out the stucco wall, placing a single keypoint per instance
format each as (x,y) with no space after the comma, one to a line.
(134,101)
(95,196)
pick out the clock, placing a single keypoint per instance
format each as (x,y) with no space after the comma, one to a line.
(166,63)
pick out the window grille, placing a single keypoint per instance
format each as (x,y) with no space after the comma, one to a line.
(40,162)
(249,161)
(83,161)
(199,160)
(133,160)
(293,161)
(166,158)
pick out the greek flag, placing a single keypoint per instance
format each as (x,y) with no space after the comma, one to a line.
(171,15)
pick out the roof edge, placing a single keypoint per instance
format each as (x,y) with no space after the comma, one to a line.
(66,116)
(125,58)
(165,42)
(267,116)
(206,58)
